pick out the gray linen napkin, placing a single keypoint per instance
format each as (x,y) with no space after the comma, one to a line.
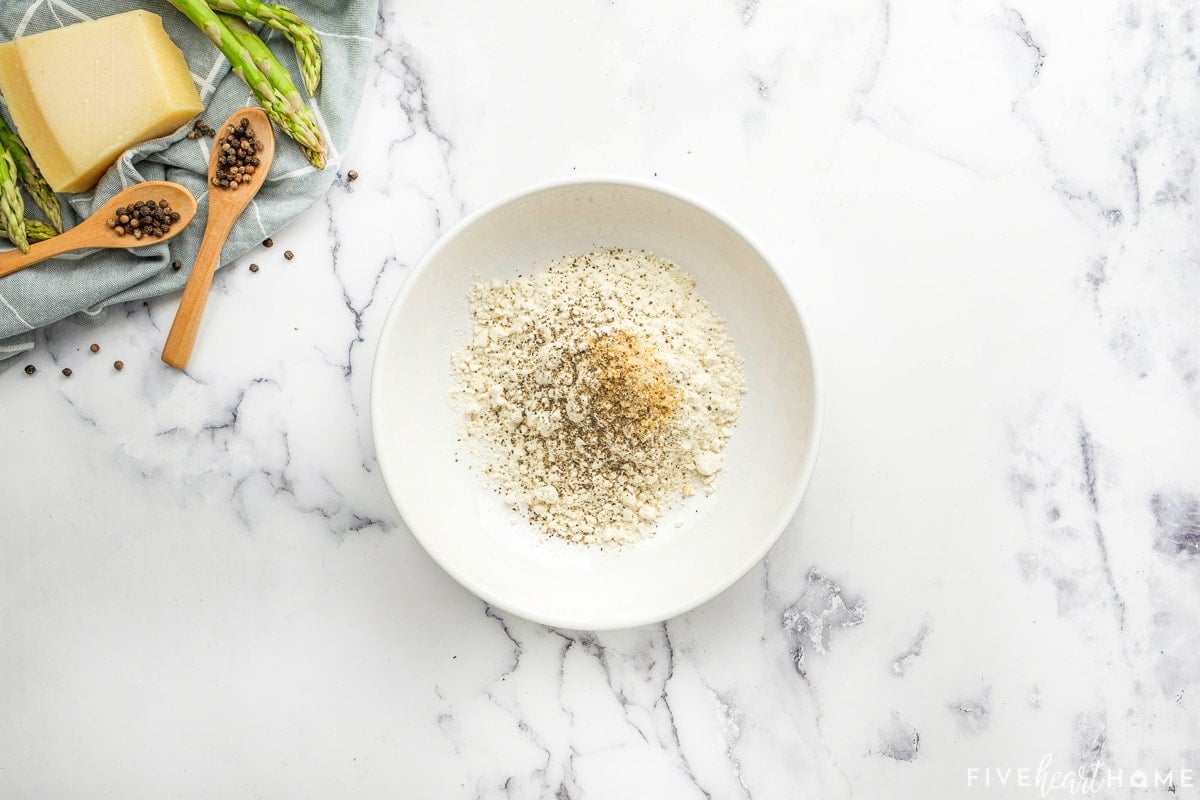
(86,283)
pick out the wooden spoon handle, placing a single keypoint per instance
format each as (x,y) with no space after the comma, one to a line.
(182,337)
(14,260)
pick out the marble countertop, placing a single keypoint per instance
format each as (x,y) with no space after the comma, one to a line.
(990,213)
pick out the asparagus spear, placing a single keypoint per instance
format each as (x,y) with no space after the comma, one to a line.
(284,20)
(278,107)
(12,206)
(30,176)
(265,60)
(35,231)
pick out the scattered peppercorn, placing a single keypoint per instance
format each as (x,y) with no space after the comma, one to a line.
(289,255)
(66,372)
(268,242)
(237,156)
(201,128)
(118,365)
(176,264)
(95,348)
(352,174)
(254,267)
(143,218)
(30,369)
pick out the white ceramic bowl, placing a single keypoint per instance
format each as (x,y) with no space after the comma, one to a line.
(494,552)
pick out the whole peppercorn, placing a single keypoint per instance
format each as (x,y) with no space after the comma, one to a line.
(254,267)
(268,242)
(66,372)
(200,128)
(176,264)
(144,218)
(30,369)
(289,255)
(95,348)
(352,174)
(118,365)
(235,154)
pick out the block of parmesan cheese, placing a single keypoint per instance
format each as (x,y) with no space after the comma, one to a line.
(82,95)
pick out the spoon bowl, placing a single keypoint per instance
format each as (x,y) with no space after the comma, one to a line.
(94,232)
(225,205)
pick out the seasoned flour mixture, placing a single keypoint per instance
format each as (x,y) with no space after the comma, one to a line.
(601,391)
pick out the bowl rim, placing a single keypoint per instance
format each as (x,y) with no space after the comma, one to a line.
(777,526)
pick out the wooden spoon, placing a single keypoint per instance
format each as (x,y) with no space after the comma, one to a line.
(93,232)
(224,207)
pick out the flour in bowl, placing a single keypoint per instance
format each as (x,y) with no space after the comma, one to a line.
(600,391)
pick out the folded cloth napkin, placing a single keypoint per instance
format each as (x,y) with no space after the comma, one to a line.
(87,283)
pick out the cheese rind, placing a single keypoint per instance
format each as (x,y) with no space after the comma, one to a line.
(83,94)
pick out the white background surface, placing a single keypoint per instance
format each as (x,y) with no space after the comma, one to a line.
(989,213)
